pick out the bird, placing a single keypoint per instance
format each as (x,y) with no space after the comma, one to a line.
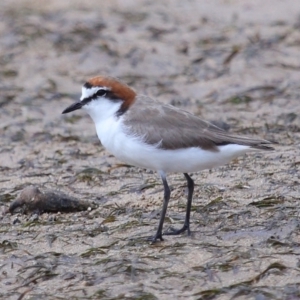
(143,132)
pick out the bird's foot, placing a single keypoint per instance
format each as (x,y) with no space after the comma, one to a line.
(173,231)
(153,239)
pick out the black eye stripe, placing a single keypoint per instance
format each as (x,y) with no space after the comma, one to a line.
(101,93)
(88,99)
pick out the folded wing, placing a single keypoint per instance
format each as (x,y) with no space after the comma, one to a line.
(171,128)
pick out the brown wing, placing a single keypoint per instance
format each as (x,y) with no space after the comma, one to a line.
(172,128)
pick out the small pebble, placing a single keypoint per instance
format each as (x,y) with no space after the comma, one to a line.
(34,217)
(16,221)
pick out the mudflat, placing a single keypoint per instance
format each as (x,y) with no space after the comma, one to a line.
(236,62)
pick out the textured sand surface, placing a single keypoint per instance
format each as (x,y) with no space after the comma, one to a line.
(232,61)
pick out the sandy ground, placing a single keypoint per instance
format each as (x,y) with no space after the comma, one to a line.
(234,61)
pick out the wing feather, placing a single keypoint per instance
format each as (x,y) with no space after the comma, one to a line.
(172,128)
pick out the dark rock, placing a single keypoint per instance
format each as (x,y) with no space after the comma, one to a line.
(32,200)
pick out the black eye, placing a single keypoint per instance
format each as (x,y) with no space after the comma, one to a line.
(101,93)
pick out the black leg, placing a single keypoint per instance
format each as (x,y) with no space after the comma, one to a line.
(186,225)
(167,194)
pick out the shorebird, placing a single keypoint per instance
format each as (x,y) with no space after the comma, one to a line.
(143,132)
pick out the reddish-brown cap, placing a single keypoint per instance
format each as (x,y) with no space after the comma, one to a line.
(119,89)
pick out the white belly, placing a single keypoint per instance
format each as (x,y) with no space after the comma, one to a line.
(133,151)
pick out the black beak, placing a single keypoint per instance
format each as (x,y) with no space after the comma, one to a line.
(73,107)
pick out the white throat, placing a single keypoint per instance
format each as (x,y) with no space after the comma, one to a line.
(102,109)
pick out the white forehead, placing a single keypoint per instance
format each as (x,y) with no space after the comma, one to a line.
(86,93)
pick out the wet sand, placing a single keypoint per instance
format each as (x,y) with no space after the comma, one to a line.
(231,61)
